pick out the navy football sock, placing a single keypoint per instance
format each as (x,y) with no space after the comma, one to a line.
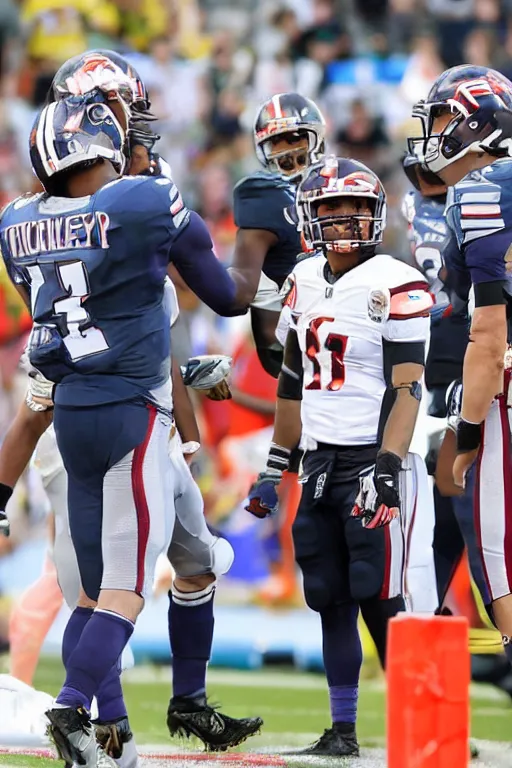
(191,634)
(72,633)
(111,706)
(343,657)
(100,645)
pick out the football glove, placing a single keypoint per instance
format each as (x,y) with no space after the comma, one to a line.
(454,404)
(262,500)
(39,395)
(378,500)
(208,373)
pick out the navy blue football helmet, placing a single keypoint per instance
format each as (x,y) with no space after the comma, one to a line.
(75,131)
(106,70)
(293,116)
(479,100)
(333,178)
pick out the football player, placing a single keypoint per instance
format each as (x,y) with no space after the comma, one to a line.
(289,134)
(423,209)
(349,391)
(466,136)
(101,333)
(190,549)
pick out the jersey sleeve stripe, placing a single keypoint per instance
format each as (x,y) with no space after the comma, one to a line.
(480,197)
(417,285)
(483,211)
(475,234)
(482,224)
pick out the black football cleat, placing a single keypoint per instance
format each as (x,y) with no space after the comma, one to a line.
(72,733)
(116,739)
(195,717)
(332,743)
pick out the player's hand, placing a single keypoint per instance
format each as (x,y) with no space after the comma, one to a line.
(262,499)
(219,392)
(378,500)
(39,396)
(461,466)
(208,373)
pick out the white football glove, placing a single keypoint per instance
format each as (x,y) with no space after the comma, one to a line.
(208,373)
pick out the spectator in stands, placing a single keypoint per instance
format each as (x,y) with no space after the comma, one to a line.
(365,138)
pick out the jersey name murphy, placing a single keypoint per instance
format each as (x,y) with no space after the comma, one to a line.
(58,233)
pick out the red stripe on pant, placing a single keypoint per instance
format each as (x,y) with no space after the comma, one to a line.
(141,502)
(384,593)
(407,542)
(476,510)
(507,488)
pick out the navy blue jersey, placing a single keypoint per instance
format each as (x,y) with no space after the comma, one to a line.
(94,268)
(479,213)
(259,203)
(430,240)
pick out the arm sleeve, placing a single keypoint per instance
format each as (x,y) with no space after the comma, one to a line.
(193,256)
(292,373)
(489,258)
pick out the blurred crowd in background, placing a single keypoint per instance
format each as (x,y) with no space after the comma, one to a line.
(208,64)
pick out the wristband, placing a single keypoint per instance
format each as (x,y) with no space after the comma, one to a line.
(191,447)
(388,463)
(469,436)
(5,495)
(278,458)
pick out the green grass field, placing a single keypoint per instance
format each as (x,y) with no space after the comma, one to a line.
(294,706)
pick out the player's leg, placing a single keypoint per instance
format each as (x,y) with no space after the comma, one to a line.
(320,549)
(118,488)
(198,559)
(377,561)
(49,463)
(30,621)
(493,515)
(418,520)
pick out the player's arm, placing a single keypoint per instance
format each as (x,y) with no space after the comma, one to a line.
(192,255)
(484,359)
(16,451)
(262,498)
(403,345)
(251,248)
(183,409)
(406,389)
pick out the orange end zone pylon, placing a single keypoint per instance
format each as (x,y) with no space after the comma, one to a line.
(428,676)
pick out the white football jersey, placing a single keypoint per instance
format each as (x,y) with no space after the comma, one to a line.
(341,328)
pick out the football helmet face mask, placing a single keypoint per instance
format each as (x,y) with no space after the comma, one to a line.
(296,119)
(334,179)
(75,131)
(478,101)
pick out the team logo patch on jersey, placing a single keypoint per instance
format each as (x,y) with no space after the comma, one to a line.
(379,303)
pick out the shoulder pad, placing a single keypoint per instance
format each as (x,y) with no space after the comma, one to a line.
(259,181)
(410,300)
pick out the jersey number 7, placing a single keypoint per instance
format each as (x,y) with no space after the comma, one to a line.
(336,344)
